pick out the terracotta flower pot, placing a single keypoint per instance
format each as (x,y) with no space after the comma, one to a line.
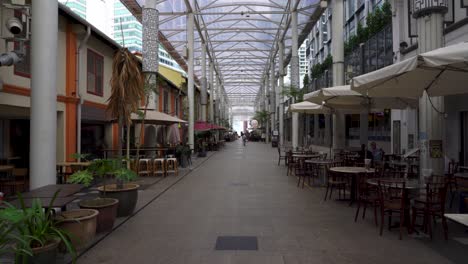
(127,196)
(46,254)
(80,224)
(107,208)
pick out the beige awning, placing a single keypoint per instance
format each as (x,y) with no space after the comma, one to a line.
(157,118)
(308,108)
(440,72)
(343,98)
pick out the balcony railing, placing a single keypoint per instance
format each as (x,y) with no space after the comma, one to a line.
(375,53)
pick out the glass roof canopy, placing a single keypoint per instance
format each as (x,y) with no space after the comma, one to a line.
(242,37)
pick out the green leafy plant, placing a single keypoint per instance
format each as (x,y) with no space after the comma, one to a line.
(36,226)
(80,156)
(261,117)
(319,68)
(294,92)
(124,174)
(83,177)
(305,81)
(376,21)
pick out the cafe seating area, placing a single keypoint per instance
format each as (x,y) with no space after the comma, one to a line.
(391,188)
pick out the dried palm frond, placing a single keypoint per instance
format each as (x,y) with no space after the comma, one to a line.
(127,86)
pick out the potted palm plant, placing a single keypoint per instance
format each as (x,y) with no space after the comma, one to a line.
(107,207)
(33,234)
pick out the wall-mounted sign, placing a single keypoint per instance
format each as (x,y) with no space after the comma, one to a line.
(435,149)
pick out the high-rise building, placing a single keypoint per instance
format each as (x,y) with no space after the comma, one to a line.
(127,31)
(78,6)
(116,21)
(303,65)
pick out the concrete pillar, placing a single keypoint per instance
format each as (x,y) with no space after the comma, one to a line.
(211,91)
(338,68)
(364,127)
(190,86)
(272,98)
(430,24)
(317,138)
(204,96)
(280,92)
(43,133)
(295,82)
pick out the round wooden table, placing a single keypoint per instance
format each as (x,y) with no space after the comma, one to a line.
(353,172)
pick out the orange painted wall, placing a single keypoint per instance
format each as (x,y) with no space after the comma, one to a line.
(160,107)
(115,135)
(172,104)
(70,106)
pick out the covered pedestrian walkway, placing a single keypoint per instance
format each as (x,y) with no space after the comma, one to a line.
(242,192)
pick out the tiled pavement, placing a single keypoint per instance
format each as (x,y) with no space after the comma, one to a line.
(240,191)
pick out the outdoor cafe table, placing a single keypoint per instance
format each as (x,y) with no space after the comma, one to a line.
(48,191)
(6,170)
(410,186)
(459,218)
(306,156)
(59,202)
(353,172)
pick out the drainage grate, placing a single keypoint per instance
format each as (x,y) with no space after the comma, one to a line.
(236,243)
(239,184)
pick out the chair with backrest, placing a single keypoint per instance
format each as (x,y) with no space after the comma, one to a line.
(431,205)
(335,181)
(367,194)
(291,162)
(451,180)
(392,200)
(301,172)
(18,182)
(281,157)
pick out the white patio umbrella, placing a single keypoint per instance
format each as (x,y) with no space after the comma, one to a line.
(342,97)
(309,108)
(439,72)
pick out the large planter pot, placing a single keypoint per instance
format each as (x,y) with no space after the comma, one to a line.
(80,224)
(107,208)
(46,254)
(127,196)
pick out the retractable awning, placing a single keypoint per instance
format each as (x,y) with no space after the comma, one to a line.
(439,72)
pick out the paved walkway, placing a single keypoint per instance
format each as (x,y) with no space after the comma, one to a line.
(240,191)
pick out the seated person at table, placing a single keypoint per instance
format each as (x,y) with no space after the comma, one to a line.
(377,154)
(363,155)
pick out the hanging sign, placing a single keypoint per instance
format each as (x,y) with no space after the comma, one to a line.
(435,149)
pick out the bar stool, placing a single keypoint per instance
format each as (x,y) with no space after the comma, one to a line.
(144,167)
(171,166)
(159,167)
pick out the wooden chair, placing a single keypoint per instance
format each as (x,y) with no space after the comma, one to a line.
(19,181)
(338,181)
(392,200)
(291,163)
(302,171)
(367,195)
(451,180)
(280,157)
(431,206)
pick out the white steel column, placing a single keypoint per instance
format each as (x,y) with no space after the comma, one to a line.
(364,127)
(43,131)
(218,99)
(338,69)
(294,74)
(211,91)
(190,86)
(203,97)
(280,93)
(266,92)
(431,121)
(272,98)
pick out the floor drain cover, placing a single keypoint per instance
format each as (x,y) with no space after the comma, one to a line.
(236,243)
(239,184)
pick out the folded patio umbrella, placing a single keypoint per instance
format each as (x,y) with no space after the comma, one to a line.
(342,97)
(173,134)
(439,72)
(309,108)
